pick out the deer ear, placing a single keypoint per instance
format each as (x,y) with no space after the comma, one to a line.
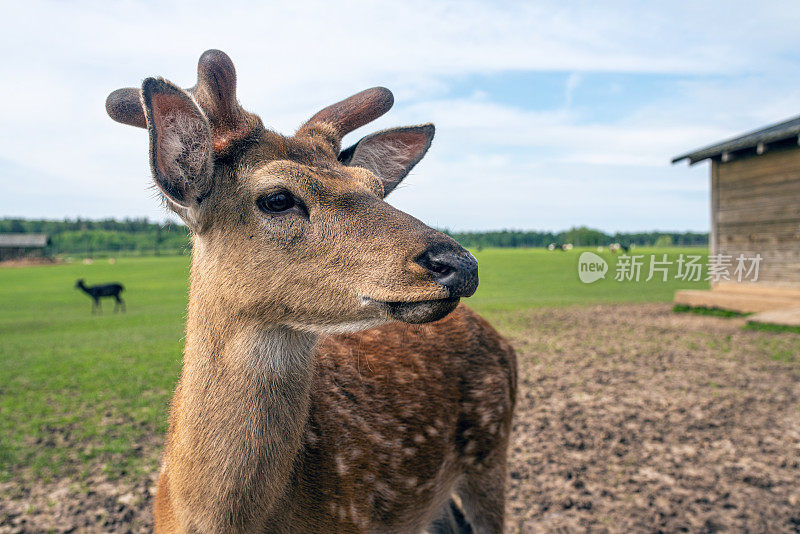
(390,154)
(180,145)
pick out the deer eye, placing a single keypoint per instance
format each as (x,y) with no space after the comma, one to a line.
(276,202)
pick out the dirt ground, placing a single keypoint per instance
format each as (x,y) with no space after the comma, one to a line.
(29,262)
(630,418)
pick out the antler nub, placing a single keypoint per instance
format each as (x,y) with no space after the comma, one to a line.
(215,92)
(123,105)
(353,112)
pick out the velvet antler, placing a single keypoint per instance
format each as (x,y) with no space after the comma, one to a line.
(353,112)
(215,93)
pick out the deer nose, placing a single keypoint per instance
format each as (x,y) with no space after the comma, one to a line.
(451,267)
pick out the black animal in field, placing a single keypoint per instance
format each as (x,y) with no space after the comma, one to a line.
(100,291)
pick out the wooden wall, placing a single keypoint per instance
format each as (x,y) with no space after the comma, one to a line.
(755,205)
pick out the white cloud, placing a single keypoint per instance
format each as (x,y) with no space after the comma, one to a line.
(546,169)
(573,81)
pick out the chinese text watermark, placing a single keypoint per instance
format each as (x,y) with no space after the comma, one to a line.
(659,267)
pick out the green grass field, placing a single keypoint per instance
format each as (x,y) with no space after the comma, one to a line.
(514,279)
(104,381)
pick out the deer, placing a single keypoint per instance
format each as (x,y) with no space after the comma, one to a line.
(332,381)
(104,290)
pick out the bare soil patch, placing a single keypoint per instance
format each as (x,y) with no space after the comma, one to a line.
(30,262)
(94,505)
(630,418)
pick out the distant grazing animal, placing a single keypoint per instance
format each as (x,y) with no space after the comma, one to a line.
(331,382)
(105,290)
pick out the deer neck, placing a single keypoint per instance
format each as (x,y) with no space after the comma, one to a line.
(241,405)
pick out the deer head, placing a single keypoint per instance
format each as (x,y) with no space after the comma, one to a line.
(294,230)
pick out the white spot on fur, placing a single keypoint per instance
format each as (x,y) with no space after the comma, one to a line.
(386,492)
(341,467)
(427,486)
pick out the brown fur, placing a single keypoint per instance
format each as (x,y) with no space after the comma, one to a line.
(399,415)
(276,424)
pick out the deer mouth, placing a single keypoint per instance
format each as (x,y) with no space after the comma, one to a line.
(416,312)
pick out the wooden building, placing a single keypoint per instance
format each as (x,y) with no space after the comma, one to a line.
(19,246)
(755,210)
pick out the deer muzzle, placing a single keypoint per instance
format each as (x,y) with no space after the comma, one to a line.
(451,267)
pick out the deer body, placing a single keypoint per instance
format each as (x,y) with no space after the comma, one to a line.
(100,291)
(303,405)
(370,432)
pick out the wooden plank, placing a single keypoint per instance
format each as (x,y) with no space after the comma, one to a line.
(787,317)
(788,227)
(788,258)
(778,277)
(714,233)
(757,237)
(774,265)
(788,238)
(733,301)
(766,165)
(758,217)
(760,213)
(788,189)
(779,175)
(768,254)
(757,172)
(757,211)
(762,184)
(768,258)
(759,289)
(760,203)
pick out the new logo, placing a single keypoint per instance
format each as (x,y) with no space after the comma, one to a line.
(591,267)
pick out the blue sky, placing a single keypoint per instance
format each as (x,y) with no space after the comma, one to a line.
(548,114)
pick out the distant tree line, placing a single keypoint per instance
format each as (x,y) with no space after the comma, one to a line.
(141,236)
(580,237)
(89,237)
